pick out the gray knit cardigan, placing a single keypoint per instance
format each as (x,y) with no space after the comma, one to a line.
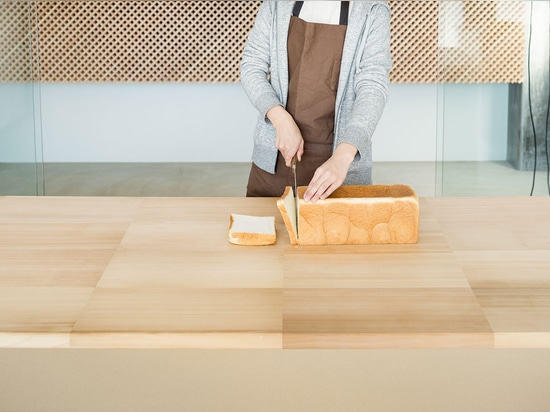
(362,87)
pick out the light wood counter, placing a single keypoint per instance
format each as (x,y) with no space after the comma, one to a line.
(79,272)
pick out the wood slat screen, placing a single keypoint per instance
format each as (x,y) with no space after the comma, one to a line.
(202,41)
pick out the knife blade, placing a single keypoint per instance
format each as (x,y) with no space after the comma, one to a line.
(294,166)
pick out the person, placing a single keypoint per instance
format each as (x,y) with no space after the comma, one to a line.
(318,74)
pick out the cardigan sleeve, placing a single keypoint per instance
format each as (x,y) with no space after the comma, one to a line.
(256,61)
(371,82)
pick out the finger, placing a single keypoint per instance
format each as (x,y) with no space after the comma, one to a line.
(320,176)
(288,159)
(324,194)
(312,187)
(329,191)
(298,156)
(316,189)
(300,151)
(285,154)
(317,195)
(310,192)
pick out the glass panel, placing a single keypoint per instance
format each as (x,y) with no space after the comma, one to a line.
(21,170)
(490,116)
(487,92)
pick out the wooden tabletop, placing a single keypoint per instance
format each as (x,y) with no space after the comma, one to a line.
(159,272)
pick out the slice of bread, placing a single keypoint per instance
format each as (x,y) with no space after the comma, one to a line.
(252,230)
(374,214)
(287,207)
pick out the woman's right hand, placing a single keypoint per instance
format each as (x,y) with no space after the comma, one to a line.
(289,139)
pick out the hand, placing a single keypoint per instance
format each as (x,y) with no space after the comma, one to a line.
(330,175)
(289,140)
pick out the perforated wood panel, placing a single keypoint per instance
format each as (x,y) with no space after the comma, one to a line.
(202,41)
(482,41)
(132,41)
(414,28)
(15,41)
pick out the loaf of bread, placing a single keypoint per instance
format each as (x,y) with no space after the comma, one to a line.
(252,230)
(375,214)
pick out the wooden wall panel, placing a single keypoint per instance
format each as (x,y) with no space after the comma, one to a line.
(15,41)
(152,41)
(414,35)
(202,41)
(482,41)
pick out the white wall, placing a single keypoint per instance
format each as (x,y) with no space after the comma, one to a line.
(146,123)
(475,122)
(407,129)
(214,122)
(17,142)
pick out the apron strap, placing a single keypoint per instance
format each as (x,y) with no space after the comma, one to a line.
(297,7)
(344,11)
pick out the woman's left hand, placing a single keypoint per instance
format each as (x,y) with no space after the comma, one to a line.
(331,174)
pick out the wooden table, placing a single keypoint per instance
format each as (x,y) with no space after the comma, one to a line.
(81,272)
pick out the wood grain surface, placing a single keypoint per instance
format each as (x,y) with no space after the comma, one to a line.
(159,272)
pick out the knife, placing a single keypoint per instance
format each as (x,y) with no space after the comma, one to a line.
(294,166)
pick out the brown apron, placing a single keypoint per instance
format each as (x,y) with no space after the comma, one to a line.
(314,57)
